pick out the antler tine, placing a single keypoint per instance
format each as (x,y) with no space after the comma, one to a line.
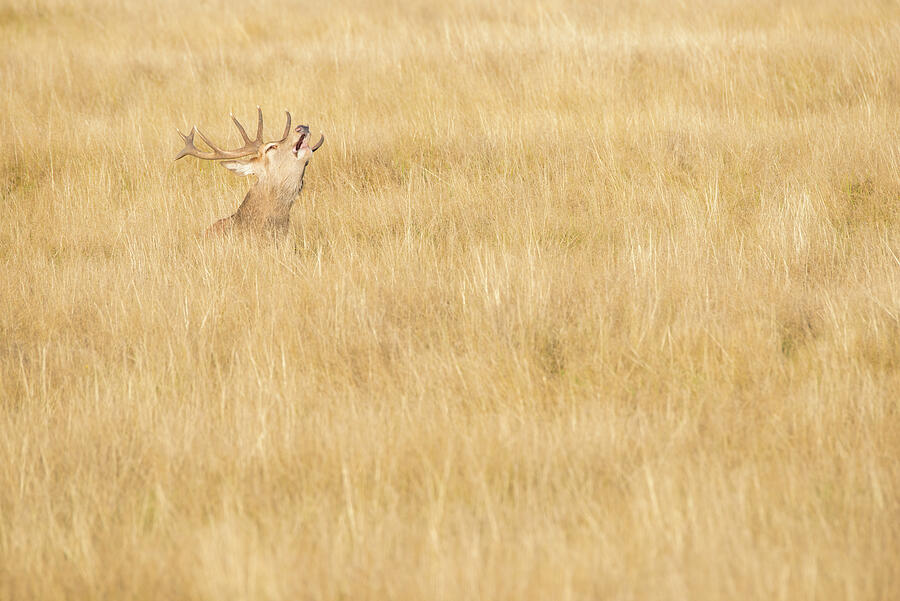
(209,142)
(240,129)
(287,127)
(259,126)
(190,148)
(188,142)
(319,143)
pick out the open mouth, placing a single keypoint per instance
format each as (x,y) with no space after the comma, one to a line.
(300,143)
(303,130)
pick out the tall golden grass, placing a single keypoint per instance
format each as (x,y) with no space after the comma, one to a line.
(579,302)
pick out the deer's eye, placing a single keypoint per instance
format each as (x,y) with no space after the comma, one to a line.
(271,147)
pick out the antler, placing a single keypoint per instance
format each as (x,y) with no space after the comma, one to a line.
(319,143)
(249,147)
(287,127)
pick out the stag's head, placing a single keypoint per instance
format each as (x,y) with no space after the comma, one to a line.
(277,164)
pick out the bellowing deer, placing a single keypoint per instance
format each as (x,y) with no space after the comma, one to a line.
(278,166)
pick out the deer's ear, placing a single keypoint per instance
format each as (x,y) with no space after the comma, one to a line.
(241,167)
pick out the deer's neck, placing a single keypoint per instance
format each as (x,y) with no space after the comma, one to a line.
(267,204)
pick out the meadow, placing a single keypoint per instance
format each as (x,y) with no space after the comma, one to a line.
(580,301)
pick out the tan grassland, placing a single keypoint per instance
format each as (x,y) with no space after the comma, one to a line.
(580,301)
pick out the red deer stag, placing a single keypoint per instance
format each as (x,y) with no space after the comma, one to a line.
(278,166)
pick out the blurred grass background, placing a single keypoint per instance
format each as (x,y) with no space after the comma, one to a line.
(579,302)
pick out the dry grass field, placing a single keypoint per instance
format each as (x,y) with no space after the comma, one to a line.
(580,301)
